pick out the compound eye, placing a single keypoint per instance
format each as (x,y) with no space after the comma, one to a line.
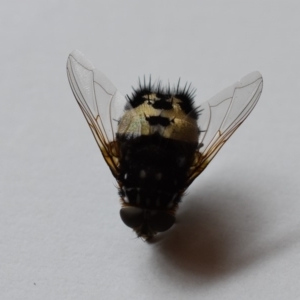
(132,216)
(161,221)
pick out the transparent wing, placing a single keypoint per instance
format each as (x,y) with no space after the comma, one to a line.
(222,115)
(101,103)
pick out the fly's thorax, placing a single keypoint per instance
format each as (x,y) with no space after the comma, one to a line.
(153,170)
(150,196)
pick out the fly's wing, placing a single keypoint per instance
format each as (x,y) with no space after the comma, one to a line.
(101,103)
(221,116)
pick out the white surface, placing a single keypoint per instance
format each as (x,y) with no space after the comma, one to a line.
(238,231)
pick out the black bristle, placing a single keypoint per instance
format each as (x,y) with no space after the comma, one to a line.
(186,94)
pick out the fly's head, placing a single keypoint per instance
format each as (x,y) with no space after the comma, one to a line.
(146,222)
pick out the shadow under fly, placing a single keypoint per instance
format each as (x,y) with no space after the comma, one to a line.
(212,234)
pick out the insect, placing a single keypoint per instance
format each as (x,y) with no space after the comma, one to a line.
(157,141)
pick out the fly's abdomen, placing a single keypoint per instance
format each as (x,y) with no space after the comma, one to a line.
(172,123)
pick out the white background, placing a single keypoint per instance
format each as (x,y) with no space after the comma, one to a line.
(238,229)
